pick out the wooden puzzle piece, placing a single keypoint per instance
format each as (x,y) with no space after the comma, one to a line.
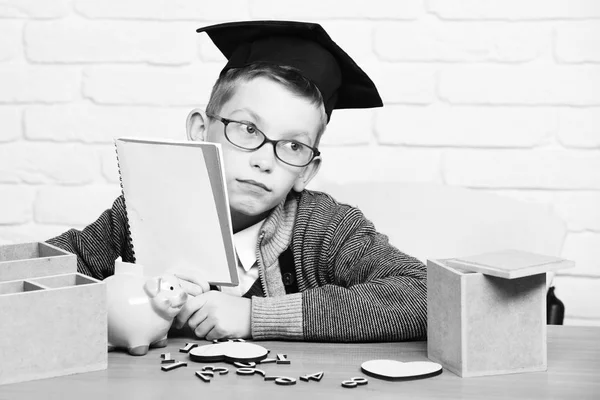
(220,370)
(166,358)
(229,351)
(312,377)
(173,366)
(244,365)
(188,347)
(250,371)
(205,376)
(284,380)
(397,371)
(282,359)
(225,340)
(354,382)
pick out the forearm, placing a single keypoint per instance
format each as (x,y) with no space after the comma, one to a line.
(394,311)
(99,244)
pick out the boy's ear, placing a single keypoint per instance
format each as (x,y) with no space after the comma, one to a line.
(196,125)
(306,176)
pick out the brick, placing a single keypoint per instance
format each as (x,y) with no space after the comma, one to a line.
(461,42)
(514,9)
(30,232)
(539,169)
(110,41)
(349,127)
(110,166)
(331,9)
(580,295)
(377,163)
(47,163)
(16,204)
(428,126)
(581,322)
(185,86)
(404,84)
(11,44)
(578,42)
(573,85)
(34,8)
(542,198)
(207,51)
(101,124)
(581,210)
(357,41)
(584,249)
(161,10)
(74,205)
(38,84)
(579,127)
(10,121)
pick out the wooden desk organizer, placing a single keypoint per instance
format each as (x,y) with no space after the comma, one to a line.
(53,318)
(481,324)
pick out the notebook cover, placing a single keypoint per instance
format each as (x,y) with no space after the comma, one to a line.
(510,264)
(177,207)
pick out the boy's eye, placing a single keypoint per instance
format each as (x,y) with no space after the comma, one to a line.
(250,129)
(293,147)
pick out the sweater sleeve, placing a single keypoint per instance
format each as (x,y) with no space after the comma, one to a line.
(99,244)
(362,288)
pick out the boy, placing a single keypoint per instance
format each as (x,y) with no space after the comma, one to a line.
(310,268)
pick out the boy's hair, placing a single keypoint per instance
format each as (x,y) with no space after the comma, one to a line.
(289,77)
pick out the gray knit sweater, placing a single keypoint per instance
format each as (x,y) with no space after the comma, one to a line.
(353,285)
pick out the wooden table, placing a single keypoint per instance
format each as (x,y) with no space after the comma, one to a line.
(573,373)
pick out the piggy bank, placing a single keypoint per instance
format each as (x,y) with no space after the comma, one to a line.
(141,309)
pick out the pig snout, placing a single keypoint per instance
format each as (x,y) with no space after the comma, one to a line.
(179,300)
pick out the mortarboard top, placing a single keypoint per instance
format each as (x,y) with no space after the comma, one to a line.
(304,46)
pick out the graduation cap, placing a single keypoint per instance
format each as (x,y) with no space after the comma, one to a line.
(304,46)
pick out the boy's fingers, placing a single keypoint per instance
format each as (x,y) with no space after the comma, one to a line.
(204,328)
(192,281)
(192,305)
(190,288)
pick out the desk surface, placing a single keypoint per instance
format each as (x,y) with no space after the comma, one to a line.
(573,373)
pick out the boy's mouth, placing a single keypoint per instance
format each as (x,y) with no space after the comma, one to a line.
(251,182)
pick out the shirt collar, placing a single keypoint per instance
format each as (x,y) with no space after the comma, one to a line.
(245,245)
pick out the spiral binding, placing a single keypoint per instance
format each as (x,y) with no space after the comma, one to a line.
(129,239)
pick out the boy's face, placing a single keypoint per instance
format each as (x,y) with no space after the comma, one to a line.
(256,180)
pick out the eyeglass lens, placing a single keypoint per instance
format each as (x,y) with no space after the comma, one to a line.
(248,137)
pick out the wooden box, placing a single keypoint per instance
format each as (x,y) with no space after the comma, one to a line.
(53,319)
(30,260)
(481,324)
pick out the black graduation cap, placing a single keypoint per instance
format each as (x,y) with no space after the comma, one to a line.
(304,46)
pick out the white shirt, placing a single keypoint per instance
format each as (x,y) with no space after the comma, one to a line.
(245,246)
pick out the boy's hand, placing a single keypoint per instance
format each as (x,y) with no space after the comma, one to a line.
(192,281)
(216,315)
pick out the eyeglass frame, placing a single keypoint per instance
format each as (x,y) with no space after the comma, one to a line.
(227,121)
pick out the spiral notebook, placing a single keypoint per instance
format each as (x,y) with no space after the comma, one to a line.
(177,207)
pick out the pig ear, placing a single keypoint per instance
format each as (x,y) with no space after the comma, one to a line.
(152,286)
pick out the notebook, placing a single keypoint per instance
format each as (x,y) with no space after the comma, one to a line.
(177,207)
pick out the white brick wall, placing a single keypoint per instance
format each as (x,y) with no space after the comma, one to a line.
(498,95)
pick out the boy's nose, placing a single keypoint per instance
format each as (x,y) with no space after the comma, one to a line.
(263,158)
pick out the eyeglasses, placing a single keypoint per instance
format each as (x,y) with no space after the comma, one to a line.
(248,137)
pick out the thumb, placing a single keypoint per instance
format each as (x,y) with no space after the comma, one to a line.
(193,282)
